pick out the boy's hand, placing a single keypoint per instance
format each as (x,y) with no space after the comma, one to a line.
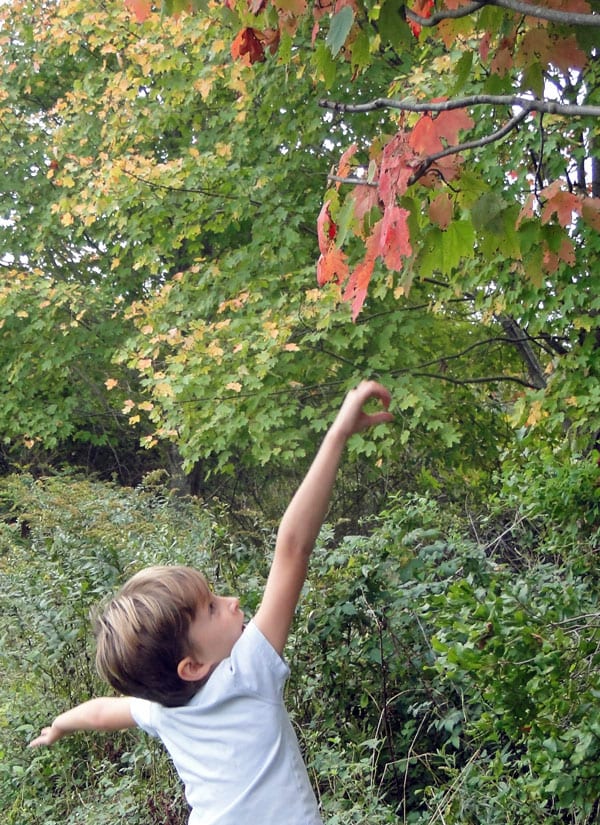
(352,419)
(48,736)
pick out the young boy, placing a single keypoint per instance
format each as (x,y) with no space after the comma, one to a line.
(207,685)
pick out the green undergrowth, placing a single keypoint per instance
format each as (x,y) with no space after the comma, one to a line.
(445,668)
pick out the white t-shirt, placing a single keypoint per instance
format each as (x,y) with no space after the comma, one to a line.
(233,744)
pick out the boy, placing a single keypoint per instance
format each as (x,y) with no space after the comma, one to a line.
(207,685)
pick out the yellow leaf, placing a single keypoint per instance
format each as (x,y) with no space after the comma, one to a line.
(128,406)
(234,385)
(223,150)
(66,219)
(535,414)
(134,419)
(147,406)
(291,348)
(164,390)
(111,383)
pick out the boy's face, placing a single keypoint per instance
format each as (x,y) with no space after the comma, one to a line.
(218,625)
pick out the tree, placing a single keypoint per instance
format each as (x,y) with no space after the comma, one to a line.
(478,169)
(174,183)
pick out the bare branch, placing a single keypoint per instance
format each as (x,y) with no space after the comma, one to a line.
(527,9)
(470,144)
(490,379)
(533,104)
(450,150)
(570,18)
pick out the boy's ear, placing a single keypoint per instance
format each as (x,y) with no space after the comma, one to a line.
(190,670)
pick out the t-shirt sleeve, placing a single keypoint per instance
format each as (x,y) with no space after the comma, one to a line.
(143,714)
(257,666)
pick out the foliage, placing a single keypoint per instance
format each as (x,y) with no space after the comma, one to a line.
(435,671)
(160,229)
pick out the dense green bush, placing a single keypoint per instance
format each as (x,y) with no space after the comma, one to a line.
(440,673)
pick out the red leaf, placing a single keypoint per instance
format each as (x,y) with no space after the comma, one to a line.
(358,282)
(423,9)
(324,223)
(248,47)
(141,9)
(560,203)
(449,124)
(394,243)
(398,163)
(332,266)
(424,138)
(365,199)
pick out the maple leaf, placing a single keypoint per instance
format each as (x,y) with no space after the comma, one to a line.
(560,203)
(591,212)
(398,162)
(358,281)
(141,9)
(424,138)
(448,124)
(394,241)
(332,266)
(527,211)
(365,199)
(344,164)
(248,47)
(324,224)
(423,9)
(441,209)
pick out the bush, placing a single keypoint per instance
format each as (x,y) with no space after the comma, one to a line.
(438,673)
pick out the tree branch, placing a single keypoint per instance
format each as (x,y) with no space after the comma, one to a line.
(532,104)
(450,150)
(490,379)
(470,144)
(527,9)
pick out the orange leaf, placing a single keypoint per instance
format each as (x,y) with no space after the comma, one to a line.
(248,47)
(141,9)
(344,166)
(441,209)
(564,205)
(332,266)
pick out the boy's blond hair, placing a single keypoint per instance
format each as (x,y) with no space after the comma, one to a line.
(142,633)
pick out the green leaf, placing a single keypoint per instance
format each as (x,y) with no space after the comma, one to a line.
(341,23)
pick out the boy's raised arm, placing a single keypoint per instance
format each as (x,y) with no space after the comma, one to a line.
(304,516)
(101,713)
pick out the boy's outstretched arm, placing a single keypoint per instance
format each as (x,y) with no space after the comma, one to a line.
(102,713)
(304,516)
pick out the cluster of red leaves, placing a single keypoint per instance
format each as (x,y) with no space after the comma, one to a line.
(556,203)
(423,8)
(388,239)
(250,44)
